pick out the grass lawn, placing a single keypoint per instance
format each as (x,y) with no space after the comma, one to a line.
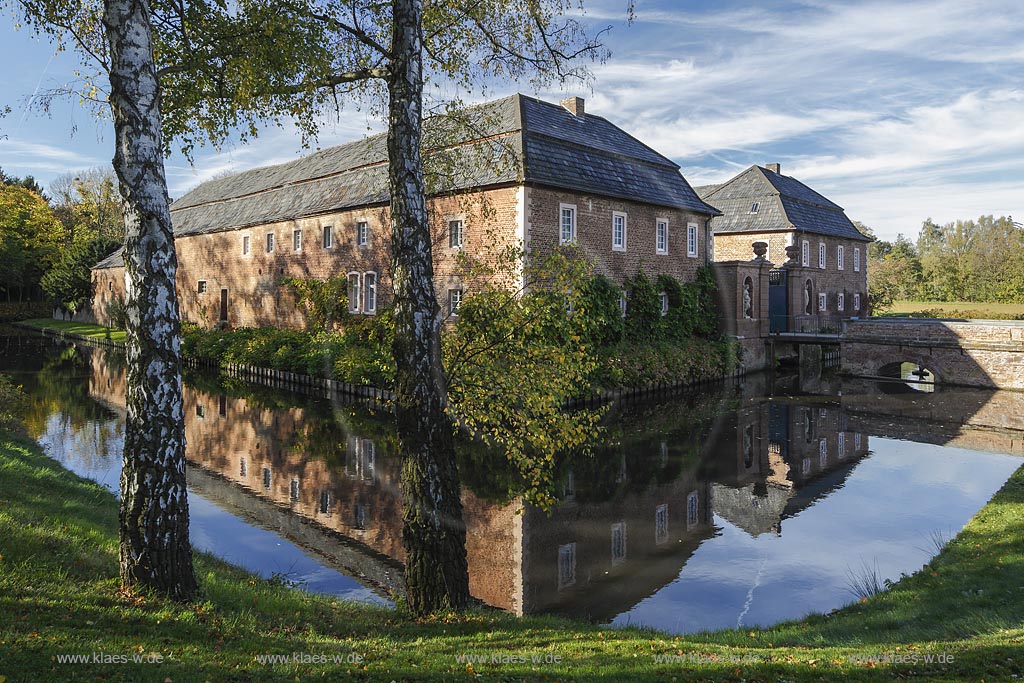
(87,330)
(59,596)
(957,307)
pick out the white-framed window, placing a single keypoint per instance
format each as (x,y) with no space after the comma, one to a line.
(270,243)
(661,523)
(201,287)
(200,411)
(454,301)
(755,207)
(328,236)
(842,444)
(661,237)
(856,441)
(841,301)
(822,302)
(856,259)
(821,255)
(691,240)
(370,292)
(805,466)
(622,304)
(805,253)
(566,223)
(293,490)
(246,245)
(455,227)
(692,509)
(618,231)
(618,542)
(297,240)
(362,233)
(566,565)
(664,303)
(839,257)
(856,303)
(822,453)
(353,292)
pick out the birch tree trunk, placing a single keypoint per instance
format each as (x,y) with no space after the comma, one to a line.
(155,549)
(433,532)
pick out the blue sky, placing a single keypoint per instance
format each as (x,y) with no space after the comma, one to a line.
(898,111)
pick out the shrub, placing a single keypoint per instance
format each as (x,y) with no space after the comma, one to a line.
(643,309)
(13,406)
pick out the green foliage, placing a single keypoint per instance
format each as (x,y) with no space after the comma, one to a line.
(13,406)
(664,362)
(513,360)
(325,301)
(30,239)
(599,301)
(68,283)
(359,354)
(117,314)
(975,260)
(23,310)
(643,309)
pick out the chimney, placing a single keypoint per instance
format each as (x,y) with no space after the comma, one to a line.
(574,105)
(774,168)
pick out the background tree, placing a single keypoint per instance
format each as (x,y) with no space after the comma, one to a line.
(30,237)
(90,209)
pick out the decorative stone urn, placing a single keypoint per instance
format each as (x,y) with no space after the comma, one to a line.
(792,255)
(760,250)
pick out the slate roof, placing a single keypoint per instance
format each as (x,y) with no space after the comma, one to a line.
(539,143)
(784,204)
(115,260)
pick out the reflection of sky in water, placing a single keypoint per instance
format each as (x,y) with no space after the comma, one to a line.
(884,517)
(212,529)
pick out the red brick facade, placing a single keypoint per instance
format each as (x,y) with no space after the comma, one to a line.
(850,281)
(237,266)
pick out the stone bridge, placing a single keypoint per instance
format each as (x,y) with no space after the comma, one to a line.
(980,353)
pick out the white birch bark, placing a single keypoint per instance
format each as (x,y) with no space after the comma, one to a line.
(155,550)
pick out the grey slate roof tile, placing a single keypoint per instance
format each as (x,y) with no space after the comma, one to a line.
(586,154)
(784,204)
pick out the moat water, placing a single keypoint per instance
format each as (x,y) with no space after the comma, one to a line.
(730,507)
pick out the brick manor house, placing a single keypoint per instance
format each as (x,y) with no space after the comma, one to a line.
(825,248)
(531,173)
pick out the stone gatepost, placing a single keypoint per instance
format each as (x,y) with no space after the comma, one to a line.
(743,304)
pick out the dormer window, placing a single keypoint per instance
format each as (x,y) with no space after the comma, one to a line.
(754,207)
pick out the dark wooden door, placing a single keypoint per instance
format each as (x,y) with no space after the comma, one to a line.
(778,301)
(224,305)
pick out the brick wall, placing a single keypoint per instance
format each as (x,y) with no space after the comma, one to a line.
(594,234)
(493,220)
(829,280)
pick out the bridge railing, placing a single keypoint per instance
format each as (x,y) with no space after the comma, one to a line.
(822,324)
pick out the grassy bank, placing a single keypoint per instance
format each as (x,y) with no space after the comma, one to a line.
(59,595)
(85,330)
(956,309)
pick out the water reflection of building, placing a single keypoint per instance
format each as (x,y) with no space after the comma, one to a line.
(778,458)
(621,532)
